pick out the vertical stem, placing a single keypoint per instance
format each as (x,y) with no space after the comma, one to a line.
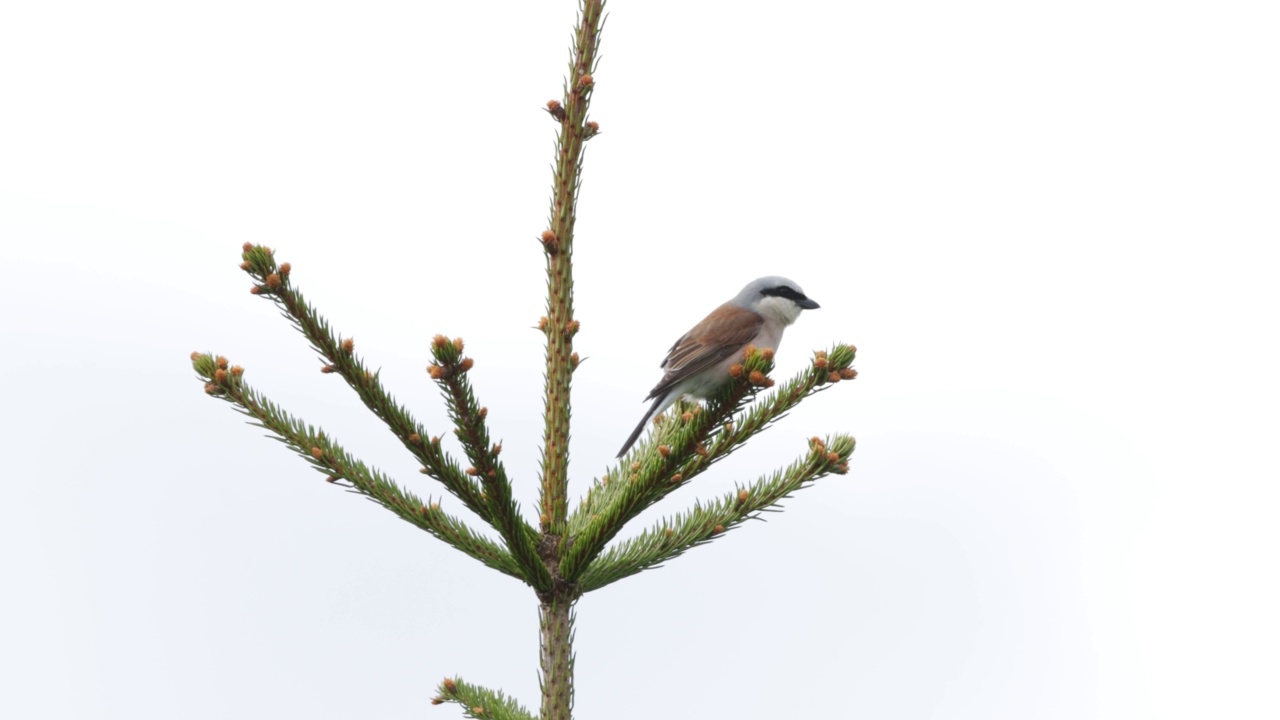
(556,615)
(558,245)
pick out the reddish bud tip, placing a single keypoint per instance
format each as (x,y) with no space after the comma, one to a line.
(245,266)
(439,341)
(848,373)
(767,353)
(735,370)
(466,364)
(677,478)
(701,449)
(472,471)
(285,268)
(255,290)
(484,412)
(237,371)
(718,529)
(833,457)
(450,685)
(348,346)
(437,700)
(247,247)
(586,80)
(820,363)
(221,362)
(196,355)
(274,281)
(757,377)
(664,450)
(415,438)
(834,377)
(542,322)
(435,371)
(326,369)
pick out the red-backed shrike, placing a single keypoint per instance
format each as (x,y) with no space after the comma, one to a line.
(698,364)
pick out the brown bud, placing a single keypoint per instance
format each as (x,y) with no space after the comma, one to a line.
(210,388)
(820,363)
(664,450)
(415,438)
(701,449)
(247,247)
(317,453)
(542,322)
(548,237)
(245,265)
(767,353)
(853,349)
(718,529)
(255,290)
(439,341)
(221,362)
(668,532)
(497,450)
(472,471)
(544,518)
(586,81)
(686,416)
(635,466)
(484,412)
(435,371)
(273,281)
(326,369)
(466,364)
(572,327)
(556,111)
(219,375)
(195,355)
(574,360)
(848,373)
(477,710)
(285,268)
(834,377)
(677,478)
(236,371)
(593,128)
(833,457)
(735,370)
(743,496)
(757,377)
(348,346)
(332,479)
(437,700)
(748,351)
(450,685)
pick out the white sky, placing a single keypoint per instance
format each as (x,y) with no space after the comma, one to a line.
(1050,228)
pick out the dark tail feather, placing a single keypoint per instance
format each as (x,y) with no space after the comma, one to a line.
(635,434)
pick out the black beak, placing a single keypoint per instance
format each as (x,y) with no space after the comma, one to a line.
(807,304)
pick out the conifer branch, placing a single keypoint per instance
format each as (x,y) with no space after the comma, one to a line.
(327,456)
(274,282)
(700,525)
(450,372)
(480,703)
(559,324)
(690,443)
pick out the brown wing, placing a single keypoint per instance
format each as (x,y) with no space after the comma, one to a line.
(724,332)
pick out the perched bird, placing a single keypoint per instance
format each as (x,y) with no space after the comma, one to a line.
(698,364)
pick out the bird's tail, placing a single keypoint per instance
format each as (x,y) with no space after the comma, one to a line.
(660,404)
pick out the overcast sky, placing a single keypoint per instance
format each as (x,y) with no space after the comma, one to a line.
(1050,228)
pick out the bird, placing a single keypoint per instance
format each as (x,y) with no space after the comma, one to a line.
(698,363)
